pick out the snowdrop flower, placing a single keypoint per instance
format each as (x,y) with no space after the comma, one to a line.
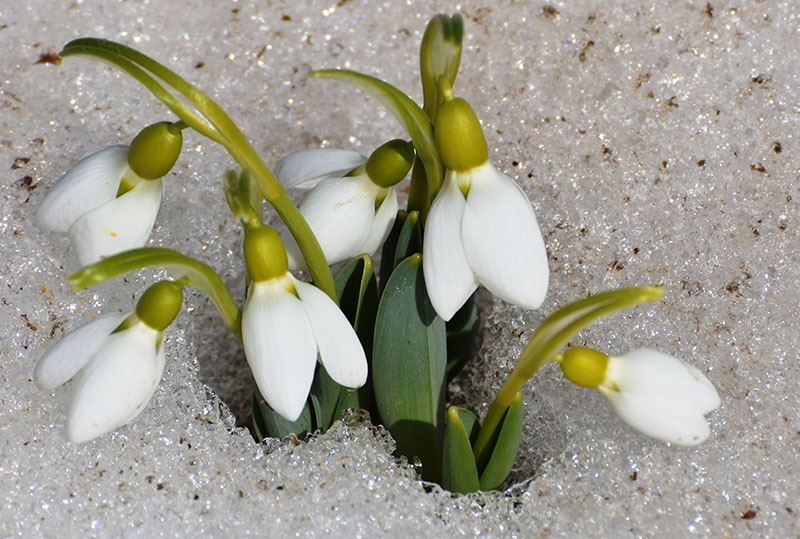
(352,203)
(108,202)
(287,324)
(118,360)
(481,228)
(659,395)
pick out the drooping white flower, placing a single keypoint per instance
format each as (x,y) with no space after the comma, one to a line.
(108,202)
(117,361)
(481,228)
(352,203)
(117,374)
(655,393)
(287,325)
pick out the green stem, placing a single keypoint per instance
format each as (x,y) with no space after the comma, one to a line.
(212,121)
(185,269)
(409,114)
(554,333)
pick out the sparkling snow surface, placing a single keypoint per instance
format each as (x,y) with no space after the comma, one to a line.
(657,146)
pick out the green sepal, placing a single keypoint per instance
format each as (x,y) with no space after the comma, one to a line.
(439,55)
(462,334)
(357,289)
(416,122)
(504,447)
(404,240)
(269,423)
(191,270)
(408,366)
(459,472)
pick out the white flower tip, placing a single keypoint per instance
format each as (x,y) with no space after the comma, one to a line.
(289,406)
(82,431)
(42,377)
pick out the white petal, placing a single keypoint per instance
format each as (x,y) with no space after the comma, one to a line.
(306,168)
(667,420)
(340,351)
(654,373)
(340,212)
(448,276)
(92,182)
(502,240)
(381,223)
(160,360)
(279,345)
(661,396)
(119,225)
(64,359)
(118,381)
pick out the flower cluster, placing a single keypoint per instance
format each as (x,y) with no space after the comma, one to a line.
(387,341)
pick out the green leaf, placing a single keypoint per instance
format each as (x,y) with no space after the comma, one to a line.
(504,447)
(198,274)
(390,246)
(416,122)
(459,473)
(462,334)
(357,289)
(269,423)
(439,56)
(404,240)
(408,366)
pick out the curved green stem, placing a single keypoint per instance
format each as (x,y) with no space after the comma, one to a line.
(185,269)
(411,117)
(552,335)
(211,120)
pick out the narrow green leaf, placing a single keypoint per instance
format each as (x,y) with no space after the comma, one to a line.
(459,473)
(416,122)
(504,447)
(404,241)
(200,275)
(272,424)
(439,55)
(390,246)
(409,241)
(462,335)
(409,360)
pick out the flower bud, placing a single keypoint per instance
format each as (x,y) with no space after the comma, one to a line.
(459,136)
(390,163)
(584,366)
(154,151)
(264,254)
(159,305)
